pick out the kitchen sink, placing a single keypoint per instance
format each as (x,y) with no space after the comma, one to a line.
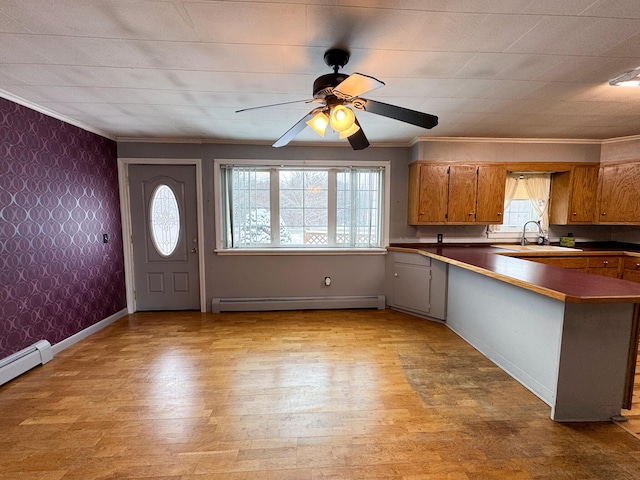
(536,248)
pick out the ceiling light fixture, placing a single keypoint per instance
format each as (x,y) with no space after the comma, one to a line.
(630,79)
(342,118)
(319,123)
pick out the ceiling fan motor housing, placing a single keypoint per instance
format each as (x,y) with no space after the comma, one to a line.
(325,84)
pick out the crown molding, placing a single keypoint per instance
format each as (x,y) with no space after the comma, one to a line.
(630,138)
(208,141)
(50,113)
(585,141)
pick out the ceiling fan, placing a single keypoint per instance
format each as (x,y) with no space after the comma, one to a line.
(339,95)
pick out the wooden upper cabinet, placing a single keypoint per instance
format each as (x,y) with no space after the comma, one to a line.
(490,199)
(619,194)
(455,194)
(463,189)
(428,194)
(573,195)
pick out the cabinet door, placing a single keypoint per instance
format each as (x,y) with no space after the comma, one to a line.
(619,193)
(490,201)
(573,263)
(605,272)
(559,198)
(433,193)
(412,287)
(631,275)
(584,185)
(463,185)
(631,269)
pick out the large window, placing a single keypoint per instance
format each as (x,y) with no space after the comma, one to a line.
(302,206)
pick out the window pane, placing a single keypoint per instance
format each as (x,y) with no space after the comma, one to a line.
(304,206)
(164,217)
(250,207)
(358,214)
(518,213)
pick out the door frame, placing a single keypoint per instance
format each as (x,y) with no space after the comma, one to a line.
(125,215)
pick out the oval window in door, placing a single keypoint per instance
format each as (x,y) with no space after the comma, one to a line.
(165,220)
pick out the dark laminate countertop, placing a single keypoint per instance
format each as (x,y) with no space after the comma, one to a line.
(556,282)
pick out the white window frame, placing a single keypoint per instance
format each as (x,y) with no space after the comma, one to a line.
(328,164)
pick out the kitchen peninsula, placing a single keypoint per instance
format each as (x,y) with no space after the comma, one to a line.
(567,336)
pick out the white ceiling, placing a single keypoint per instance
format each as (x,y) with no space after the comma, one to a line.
(179,69)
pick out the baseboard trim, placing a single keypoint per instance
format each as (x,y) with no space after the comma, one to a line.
(296,303)
(20,362)
(81,335)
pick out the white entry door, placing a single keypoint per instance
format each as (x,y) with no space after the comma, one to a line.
(164,228)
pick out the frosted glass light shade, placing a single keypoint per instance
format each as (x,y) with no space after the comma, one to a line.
(319,123)
(350,131)
(342,118)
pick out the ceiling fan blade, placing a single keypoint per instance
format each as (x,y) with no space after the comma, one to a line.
(293,131)
(413,117)
(356,84)
(358,140)
(278,104)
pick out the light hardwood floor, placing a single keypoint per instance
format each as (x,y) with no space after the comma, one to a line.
(632,425)
(356,394)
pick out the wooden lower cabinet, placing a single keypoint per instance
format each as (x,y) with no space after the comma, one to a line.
(573,263)
(615,266)
(631,269)
(608,266)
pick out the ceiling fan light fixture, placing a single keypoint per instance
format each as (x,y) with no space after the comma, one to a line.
(342,118)
(350,131)
(319,123)
(629,79)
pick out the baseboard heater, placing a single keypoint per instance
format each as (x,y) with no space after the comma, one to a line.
(296,303)
(24,360)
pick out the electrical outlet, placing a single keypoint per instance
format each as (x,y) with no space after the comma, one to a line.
(327,281)
(439,238)
(105,238)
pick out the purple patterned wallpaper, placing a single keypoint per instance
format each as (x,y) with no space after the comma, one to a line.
(58,196)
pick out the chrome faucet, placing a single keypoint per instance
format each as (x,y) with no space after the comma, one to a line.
(523,241)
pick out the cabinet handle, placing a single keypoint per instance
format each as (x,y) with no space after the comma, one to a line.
(395,274)
(470,214)
(421,213)
(637,265)
(605,262)
(499,214)
(575,214)
(603,213)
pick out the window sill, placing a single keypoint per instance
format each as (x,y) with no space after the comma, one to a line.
(301,251)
